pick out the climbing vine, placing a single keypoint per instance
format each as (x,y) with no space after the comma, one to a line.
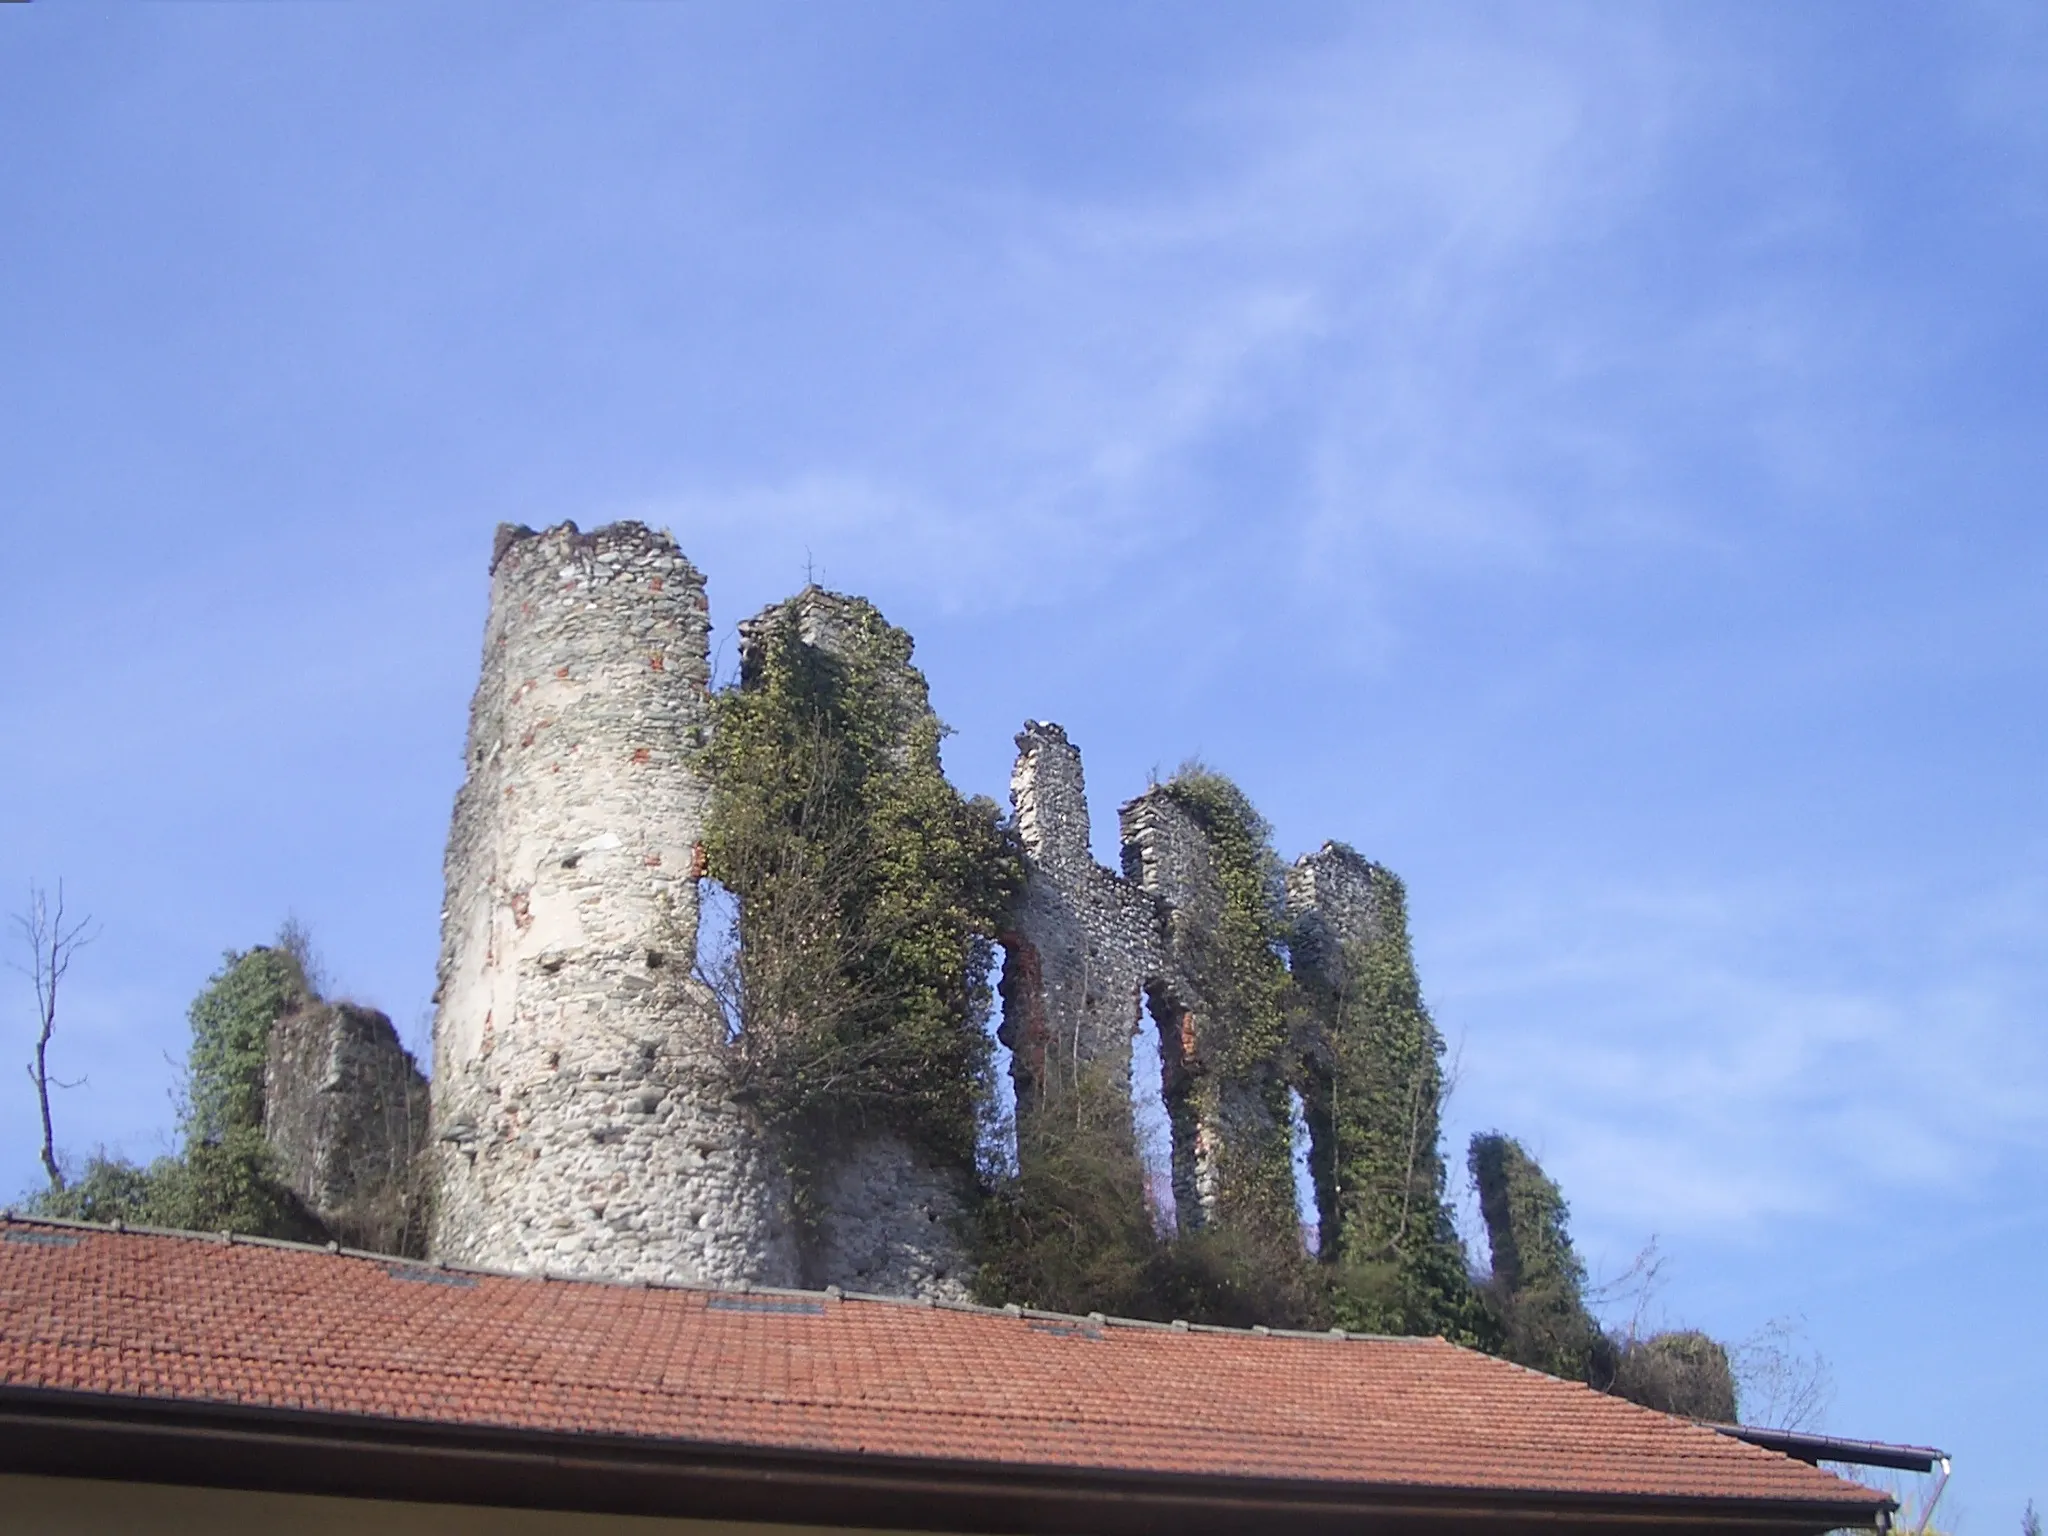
(1372,1090)
(1247,995)
(231,1021)
(868,894)
(1537,1289)
(225,1178)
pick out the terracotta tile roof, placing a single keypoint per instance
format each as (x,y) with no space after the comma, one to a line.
(197,1320)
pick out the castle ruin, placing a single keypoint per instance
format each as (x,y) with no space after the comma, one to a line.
(582,1121)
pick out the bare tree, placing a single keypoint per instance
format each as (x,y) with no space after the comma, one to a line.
(1785,1382)
(52,940)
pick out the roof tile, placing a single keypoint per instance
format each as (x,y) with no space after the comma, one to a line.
(189,1318)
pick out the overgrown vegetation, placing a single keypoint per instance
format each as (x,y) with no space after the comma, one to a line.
(1537,1289)
(225,1177)
(1243,1020)
(1682,1372)
(1069,1231)
(868,896)
(1372,1089)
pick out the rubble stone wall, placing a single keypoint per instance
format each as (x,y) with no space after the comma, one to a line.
(1335,896)
(1082,943)
(1218,1118)
(890,1220)
(344,1104)
(579,1108)
(581,1117)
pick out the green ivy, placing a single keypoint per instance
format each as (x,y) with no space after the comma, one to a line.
(869,893)
(1246,999)
(225,1178)
(1537,1289)
(1372,1093)
(231,1021)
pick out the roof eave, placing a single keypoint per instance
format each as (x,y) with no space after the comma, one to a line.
(139,1439)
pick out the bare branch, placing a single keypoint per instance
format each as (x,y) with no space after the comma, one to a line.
(52,939)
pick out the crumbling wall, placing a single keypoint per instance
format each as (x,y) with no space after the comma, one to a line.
(345,1112)
(1081,943)
(886,1216)
(1226,1114)
(579,1106)
(892,1222)
(1335,897)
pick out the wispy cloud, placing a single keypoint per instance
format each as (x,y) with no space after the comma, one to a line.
(1684,1065)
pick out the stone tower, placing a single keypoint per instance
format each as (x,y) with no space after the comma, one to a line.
(580,1117)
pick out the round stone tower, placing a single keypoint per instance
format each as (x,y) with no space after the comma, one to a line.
(579,1111)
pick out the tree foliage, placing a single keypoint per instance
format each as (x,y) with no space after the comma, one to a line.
(1682,1372)
(225,1178)
(231,1022)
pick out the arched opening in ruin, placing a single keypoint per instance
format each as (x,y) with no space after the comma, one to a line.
(716,946)
(998,1130)
(1301,1147)
(1150,1125)
(1174,1028)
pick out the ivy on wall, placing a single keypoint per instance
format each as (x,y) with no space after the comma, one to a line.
(1244,1023)
(868,893)
(1372,1090)
(1537,1289)
(225,1177)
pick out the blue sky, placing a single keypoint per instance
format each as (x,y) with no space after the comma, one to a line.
(1589,458)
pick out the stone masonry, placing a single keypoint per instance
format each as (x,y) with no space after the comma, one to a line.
(344,1107)
(890,1221)
(1216,1118)
(1082,943)
(579,1105)
(582,1121)
(1335,897)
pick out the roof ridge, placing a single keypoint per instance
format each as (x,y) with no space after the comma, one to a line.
(11,1216)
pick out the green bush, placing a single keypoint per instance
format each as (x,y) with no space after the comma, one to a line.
(1682,1372)
(225,1178)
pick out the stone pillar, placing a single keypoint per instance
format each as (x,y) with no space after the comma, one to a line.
(1080,944)
(579,1110)
(1222,1120)
(1335,896)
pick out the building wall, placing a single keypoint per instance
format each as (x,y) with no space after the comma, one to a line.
(891,1220)
(67,1506)
(581,1120)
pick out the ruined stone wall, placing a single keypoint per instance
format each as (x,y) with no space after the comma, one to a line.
(1081,944)
(579,1108)
(583,1121)
(889,1219)
(1335,896)
(892,1222)
(1220,1119)
(344,1109)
